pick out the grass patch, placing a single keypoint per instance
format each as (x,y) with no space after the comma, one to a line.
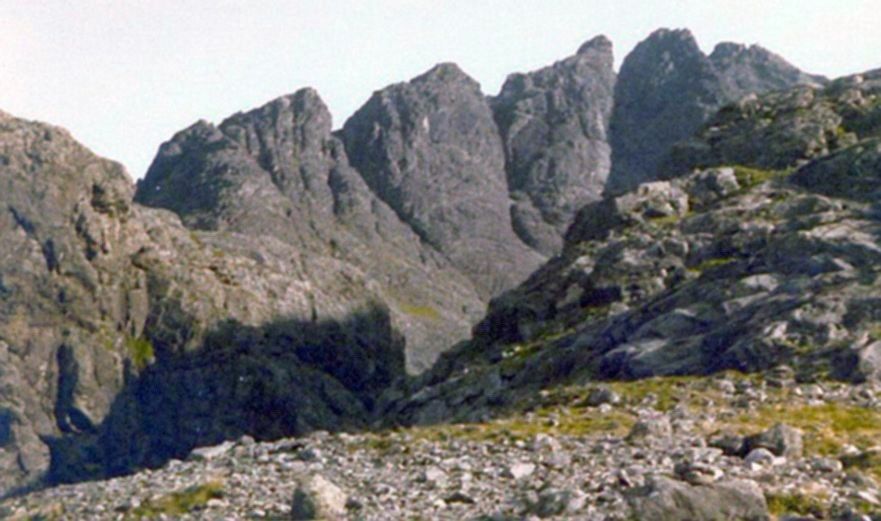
(516,354)
(140,351)
(668,391)
(748,177)
(666,221)
(826,427)
(711,264)
(573,422)
(179,503)
(875,332)
(425,312)
(796,503)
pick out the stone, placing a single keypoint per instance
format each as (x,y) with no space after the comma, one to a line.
(602,395)
(781,440)
(761,456)
(553,502)
(434,476)
(212,452)
(667,88)
(658,426)
(664,499)
(265,171)
(520,470)
(697,473)
(730,443)
(829,465)
(318,498)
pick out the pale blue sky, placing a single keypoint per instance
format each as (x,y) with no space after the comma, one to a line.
(124,75)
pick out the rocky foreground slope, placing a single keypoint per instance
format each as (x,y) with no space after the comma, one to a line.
(656,450)
(737,267)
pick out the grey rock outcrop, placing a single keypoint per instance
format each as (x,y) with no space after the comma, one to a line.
(66,284)
(664,499)
(782,440)
(277,171)
(126,338)
(668,88)
(430,149)
(554,124)
(727,267)
(318,498)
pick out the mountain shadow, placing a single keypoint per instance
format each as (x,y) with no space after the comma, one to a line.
(285,378)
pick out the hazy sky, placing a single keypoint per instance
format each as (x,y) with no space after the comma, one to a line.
(124,75)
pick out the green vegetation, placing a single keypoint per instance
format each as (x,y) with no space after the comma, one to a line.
(667,221)
(425,312)
(516,354)
(179,503)
(875,332)
(566,422)
(194,236)
(796,503)
(748,177)
(866,461)
(140,351)
(710,264)
(826,427)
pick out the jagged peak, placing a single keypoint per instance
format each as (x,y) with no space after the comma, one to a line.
(201,129)
(672,35)
(599,43)
(445,72)
(302,108)
(678,44)
(306,99)
(727,49)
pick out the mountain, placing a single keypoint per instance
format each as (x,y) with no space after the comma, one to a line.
(430,149)
(127,338)
(273,278)
(277,172)
(554,124)
(761,253)
(668,88)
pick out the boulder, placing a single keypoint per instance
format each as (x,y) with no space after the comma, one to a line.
(317,498)
(665,499)
(781,440)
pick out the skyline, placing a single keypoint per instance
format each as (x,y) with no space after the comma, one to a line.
(125,76)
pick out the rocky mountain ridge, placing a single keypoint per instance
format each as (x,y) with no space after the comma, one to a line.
(306,279)
(667,89)
(725,268)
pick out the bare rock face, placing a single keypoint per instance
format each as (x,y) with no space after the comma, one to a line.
(429,149)
(126,339)
(66,287)
(277,172)
(554,124)
(765,257)
(668,88)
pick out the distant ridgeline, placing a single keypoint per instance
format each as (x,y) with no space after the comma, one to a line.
(270,276)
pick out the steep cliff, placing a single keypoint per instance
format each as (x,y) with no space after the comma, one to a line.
(554,124)
(126,338)
(765,256)
(430,149)
(277,172)
(668,88)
